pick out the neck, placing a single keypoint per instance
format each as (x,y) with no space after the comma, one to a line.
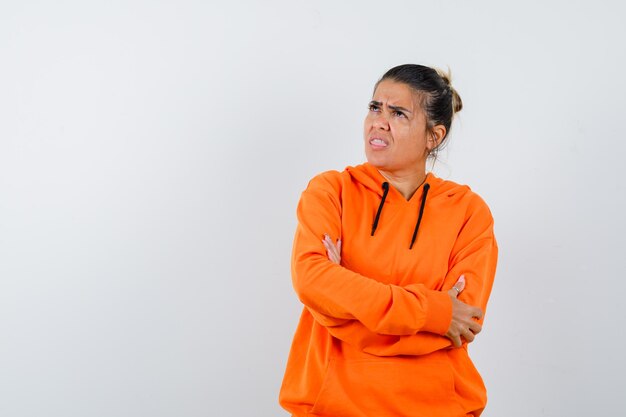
(406,184)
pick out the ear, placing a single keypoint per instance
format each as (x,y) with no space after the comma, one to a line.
(437,133)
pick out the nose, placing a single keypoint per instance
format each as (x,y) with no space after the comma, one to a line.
(381,122)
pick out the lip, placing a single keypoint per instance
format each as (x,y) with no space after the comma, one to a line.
(378,143)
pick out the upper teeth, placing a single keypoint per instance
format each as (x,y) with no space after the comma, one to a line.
(378,142)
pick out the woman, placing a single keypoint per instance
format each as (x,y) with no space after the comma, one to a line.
(390,307)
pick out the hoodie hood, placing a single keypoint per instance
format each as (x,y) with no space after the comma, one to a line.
(433,187)
(367,175)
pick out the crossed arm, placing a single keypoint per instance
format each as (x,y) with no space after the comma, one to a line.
(393,320)
(464,325)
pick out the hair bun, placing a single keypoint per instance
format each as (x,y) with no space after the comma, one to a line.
(457,104)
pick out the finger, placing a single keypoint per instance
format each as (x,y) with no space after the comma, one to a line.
(475,327)
(458,286)
(456,341)
(333,248)
(469,336)
(331,255)
(460,283)
(338,249)
(332,251)
(329,252)
(477,313)
(454,292)
(328,244)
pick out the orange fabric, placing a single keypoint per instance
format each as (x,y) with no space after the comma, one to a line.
(370,341)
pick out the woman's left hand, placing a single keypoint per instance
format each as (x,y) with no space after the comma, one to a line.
(332,250)
(463,325)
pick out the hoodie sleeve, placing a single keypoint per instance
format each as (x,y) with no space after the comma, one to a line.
(341,294)
(474,254)
(357,335)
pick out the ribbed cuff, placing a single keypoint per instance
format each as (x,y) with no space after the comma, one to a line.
(438,313)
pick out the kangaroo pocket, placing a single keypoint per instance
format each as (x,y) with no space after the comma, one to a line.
(388,386)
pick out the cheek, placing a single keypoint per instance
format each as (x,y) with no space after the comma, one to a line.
(410,138)
(400,130)
(367,125)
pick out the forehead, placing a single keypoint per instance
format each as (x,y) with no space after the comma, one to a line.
(395,93)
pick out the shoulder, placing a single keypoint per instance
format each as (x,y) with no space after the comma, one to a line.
(478,212)
(324,189)
(321,194)
(331,181)
(462,196)
(325,180)
(478,204)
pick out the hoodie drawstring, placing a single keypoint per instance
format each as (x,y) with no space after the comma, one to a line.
(419,218)
(380,207)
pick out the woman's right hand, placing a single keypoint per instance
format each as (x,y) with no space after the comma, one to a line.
(463,323)
(463,315)
(333,250)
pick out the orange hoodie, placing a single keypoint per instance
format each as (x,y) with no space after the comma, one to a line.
(370,338)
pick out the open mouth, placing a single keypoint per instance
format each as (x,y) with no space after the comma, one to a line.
(378,143)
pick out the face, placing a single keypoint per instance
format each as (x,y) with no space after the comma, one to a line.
(396,136)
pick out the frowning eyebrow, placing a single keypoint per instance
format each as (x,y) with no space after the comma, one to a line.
(394,108)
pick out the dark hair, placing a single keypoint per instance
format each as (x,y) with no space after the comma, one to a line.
(439,100)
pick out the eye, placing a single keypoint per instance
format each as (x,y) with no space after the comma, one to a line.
(373,107)
(399,113)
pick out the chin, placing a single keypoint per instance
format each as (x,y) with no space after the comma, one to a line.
(375,160)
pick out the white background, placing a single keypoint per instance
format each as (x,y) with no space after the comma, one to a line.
(152,155)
